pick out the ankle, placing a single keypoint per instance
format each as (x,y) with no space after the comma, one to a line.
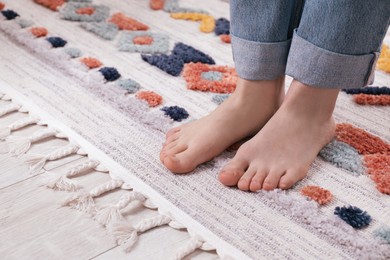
(269,91)
(317,103)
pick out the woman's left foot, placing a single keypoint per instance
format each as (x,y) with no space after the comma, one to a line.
(282,152)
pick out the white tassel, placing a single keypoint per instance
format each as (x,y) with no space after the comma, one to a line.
(63,183)
(38,161)
(84,201)
(19,124)
(110,213)
(59,183)
(9,109)
(20,145)
(127,236)
(190,247)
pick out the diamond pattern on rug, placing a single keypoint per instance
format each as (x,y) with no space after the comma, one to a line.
(153,99)
(222,26)
(110,73)
(193,72)
(144,42)
(127,23)
(353,216)
(156,4)
(91,63)
(24,23)
(56,42)
(105,30)
(39,31)
(9,14)
(130,85)
(377,163)
(363,142)
(70,12)
(176,113)
(318,194)
(51,4)
(343,156)
(190,54)
(170,64)
(73,52)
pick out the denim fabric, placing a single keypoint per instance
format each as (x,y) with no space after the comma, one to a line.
(261,36)
(336,44)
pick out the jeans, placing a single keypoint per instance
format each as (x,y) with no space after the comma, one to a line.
(321,43)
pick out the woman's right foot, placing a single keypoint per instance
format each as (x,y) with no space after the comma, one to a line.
(282,152)
(243,114)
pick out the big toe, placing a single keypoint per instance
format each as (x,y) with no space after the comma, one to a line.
(180,162)
(231,173)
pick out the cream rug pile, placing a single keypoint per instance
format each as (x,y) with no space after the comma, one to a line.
(102,113)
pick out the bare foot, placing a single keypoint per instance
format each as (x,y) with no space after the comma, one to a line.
(281,153)
(243,114)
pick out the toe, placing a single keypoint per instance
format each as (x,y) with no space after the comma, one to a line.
(257,181)
(173,131)
(171,145)
(245,180)
(177,149)
(232,172)
(173,164)
(172,138)
(180,160)
(291,177)
(272,179)
(172,150)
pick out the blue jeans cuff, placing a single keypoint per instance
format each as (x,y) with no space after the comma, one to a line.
(318,67)
(259,60)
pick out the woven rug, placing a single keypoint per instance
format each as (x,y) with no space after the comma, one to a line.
(116,75)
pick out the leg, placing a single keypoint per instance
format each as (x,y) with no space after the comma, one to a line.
(260,54)
(281,153)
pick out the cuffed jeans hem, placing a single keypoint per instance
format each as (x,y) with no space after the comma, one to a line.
(259,60)
(318,67)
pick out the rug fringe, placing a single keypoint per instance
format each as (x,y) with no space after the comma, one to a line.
(4,110)
(20,145)
(84,200)
(63,183)
(127,235)
(38,161)
(26,121)
(190,247)
(110,215)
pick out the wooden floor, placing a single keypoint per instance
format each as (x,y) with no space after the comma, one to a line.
(34,225)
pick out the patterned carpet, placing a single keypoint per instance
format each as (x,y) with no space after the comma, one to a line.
(120,74)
